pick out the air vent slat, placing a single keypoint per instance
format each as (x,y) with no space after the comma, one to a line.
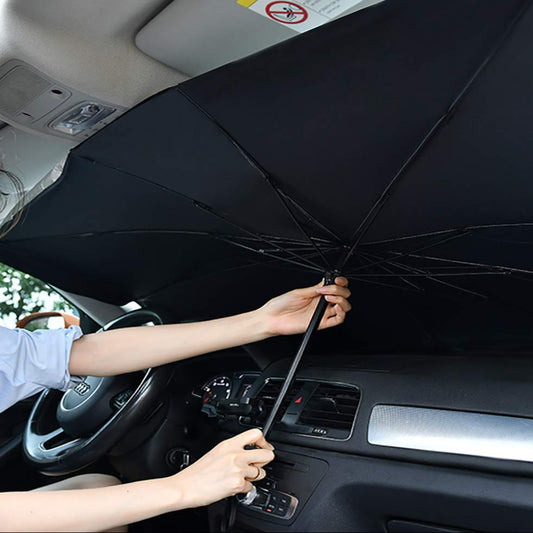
(269,394)
(331,406)
(328,414)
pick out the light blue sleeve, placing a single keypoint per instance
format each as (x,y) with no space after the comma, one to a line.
(33,361)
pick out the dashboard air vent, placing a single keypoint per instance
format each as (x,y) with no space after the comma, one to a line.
(314,408)
(331,406)
(268,396)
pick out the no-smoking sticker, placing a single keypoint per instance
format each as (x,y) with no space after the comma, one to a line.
(287,12)
(300,15)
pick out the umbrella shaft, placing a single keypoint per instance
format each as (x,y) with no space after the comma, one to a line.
(329,279)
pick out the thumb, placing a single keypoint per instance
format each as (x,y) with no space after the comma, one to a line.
(310,292)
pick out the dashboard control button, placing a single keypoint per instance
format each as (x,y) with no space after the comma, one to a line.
(274,499)
(268,483)
(270,502)
(284,500)
(284,503)
(280,511)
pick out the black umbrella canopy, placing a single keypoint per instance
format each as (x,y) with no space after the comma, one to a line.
(393,144)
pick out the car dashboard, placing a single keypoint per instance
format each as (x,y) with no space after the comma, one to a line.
(384,443)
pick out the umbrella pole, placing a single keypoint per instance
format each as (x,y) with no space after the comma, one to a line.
(329,279)
(247,499)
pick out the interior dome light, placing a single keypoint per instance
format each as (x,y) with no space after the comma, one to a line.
(81,118)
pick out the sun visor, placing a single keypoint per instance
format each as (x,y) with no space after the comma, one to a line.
(194,37)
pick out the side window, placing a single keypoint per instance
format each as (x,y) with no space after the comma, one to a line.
(28,302)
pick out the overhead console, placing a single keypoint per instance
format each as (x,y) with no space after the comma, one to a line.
(75,62)
(31,99)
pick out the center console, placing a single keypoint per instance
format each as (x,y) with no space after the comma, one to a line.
(290,481)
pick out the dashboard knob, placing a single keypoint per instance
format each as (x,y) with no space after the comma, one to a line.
(248,498)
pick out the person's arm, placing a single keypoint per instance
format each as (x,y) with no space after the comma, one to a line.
(224,471)
(31,361)
(129,349)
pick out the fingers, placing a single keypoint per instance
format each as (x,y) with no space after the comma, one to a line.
(333,316)
(338,318)
(259,456)
(243,457)
(338,296)
(262,442)
(340,288)
(247,487)
(252,436)
(339,280)
(336,290)
(308,292)
(342,302)
(254,473)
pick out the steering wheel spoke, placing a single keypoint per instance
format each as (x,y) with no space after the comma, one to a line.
(58,439)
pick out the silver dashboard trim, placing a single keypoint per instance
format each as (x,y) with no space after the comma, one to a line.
(446,431)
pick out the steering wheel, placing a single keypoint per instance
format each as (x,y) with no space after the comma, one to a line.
(93,416)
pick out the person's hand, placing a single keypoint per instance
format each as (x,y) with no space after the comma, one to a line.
(226,470)
(291,312)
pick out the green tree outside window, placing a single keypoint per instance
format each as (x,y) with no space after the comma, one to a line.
(22,294)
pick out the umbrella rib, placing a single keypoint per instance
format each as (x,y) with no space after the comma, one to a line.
(441,232)
(442,282)
(424,274)
(267,254)
(459,233)
(446,270)
(230,269)
(297,245)
(364,280)
(365,225)
(264,174)
(114,232)
(275,238)
(201,206)
(208,209)
(461,289)
(299,225)
(310,217)
(165,232)
(383,267)
(387,193)
(506,269)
